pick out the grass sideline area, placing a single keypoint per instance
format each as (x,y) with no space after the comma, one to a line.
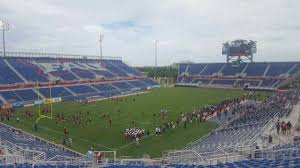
(140,109)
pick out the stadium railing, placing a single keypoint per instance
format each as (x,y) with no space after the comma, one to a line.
(55,55)
(64,163)
(12,159)
(44,140)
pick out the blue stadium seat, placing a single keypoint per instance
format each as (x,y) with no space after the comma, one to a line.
(7,76)
(223,82)
(55,92)
(28,70)
(10,96)
(82,73)
(233,69)
(138,84)
(81,89)
(278,68)
(195,69)
(122,85)
(212,68)
(27,94)
(256,69)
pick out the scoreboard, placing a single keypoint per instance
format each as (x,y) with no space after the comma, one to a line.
(239,48)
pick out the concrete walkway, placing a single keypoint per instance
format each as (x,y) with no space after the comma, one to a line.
(293,117)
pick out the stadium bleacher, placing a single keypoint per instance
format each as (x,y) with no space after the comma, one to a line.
(7,76)
(38,70)
(54,92)
(17,140)
(259,74)
(243,126)
(118,78)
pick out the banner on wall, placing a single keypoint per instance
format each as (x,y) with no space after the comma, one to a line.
(37,102)
(18,104)
(52,100)
(57,100)
(47,101)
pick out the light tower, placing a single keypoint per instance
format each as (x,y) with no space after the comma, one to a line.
(156,45)
(239,51)
(4,26)
(100,40)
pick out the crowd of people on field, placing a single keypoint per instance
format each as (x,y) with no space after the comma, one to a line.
(77,119)
(7,114)
(133,133)
(198,115)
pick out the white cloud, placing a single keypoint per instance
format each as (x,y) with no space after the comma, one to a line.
(94,29)
(190,29)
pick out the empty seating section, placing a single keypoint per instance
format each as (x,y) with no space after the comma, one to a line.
(47,165)
(278,68)
(104,87)
(81,89)
(251,73)
(126,68)
(69,72)
(55,92)
(195,69)
(104,73)
(256,69)
(182,68)
(268,82)
(122,85)
(195,81)
(27,94)
(233,69)
(7,76)
(110,93)
(19,95)
(82,73)
(115,70)
(10,96)
(25,141)
(212,69)
(150,82)
(138,84)
(250,82)
(42,69)
(204,81)
(28,70)
(188,80)
(295,70)
(64,75)
(223,82)
(288,162)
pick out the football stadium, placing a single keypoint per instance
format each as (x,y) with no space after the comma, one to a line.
(79,110)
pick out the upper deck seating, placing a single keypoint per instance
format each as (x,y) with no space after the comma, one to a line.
(7,76)
(28,70)
(233,69)
(229,73)
(212,69)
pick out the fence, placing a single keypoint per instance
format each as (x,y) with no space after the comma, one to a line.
(57,56)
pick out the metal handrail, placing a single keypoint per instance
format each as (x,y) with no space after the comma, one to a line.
(56,55)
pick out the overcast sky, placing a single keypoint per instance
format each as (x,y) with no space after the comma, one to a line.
(186,29)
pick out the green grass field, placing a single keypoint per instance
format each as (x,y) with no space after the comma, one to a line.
(101,136)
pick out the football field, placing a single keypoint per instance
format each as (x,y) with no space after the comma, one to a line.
(143,110)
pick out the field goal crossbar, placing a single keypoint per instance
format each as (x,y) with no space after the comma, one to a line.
(41,116)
